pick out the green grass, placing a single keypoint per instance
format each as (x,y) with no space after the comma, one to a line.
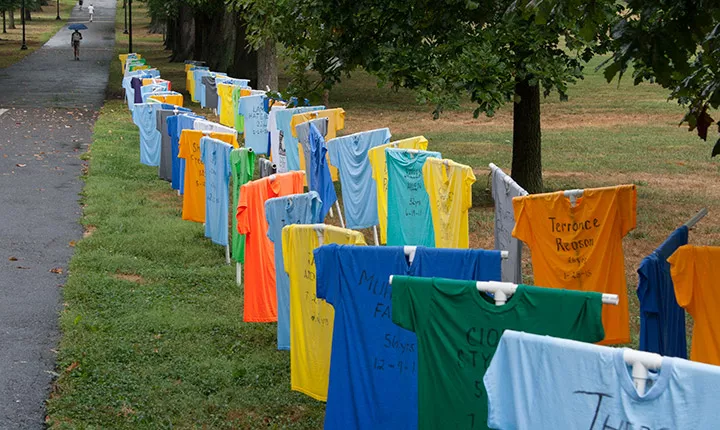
(37,31)
(152,328)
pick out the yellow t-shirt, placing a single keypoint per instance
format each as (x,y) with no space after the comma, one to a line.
(173,99)
(376,156)
(311,319)
(695,271)
(449,186)
(227,108)
(580,248)
(193,208)
(190,84)
(336,121)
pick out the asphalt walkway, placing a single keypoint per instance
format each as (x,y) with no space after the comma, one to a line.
(48,105)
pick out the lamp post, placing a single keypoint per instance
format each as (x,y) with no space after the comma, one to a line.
(125,31)
(129,3)
(22,11)
(57,3)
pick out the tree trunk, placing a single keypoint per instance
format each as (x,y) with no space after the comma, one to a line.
(12,19)
(28,16)
(4,27)
(183,38)
(245,61)
(326,97)
(267,66)
(527,156)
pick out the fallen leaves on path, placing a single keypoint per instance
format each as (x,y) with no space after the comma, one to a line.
(58,270)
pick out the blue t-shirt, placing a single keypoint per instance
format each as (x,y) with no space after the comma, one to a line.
(350,155)
(288,142)
(662,320)
(215,155)
(149,89)
(355,281)
(281,212)
(186,121)
(320,179)
(150,138)
(256,133)
(409,217)
(199,87)
(542,382)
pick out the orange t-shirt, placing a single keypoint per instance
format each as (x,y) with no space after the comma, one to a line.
(148,81)
(336,121)
(260,295)
(173,99)
(189,148)
(580,247)
(695,271)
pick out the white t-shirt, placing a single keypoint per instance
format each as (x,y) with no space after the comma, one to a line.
(277,147)
(91,9)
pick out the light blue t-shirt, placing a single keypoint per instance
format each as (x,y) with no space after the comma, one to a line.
(281,212)
(541,382)
(409,217)
(186,121)
(150,89)
(373,376)
(256,133)
(320,179)
(350,155)
(215,155)
(287,141)
(150,138)
(199,87)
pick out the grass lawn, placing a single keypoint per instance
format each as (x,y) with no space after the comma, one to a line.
(153,332)
(37,31)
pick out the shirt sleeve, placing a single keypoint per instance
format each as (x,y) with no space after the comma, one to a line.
(682,271)
(578,316)
(316,209)
(648,302)
(327,273)
(469,181)
(243,213)
(522,229)
(183,146)
(340,120)
(500,400)
(411,301)
(333,149)
(627,207)
(203,147)
(287,245)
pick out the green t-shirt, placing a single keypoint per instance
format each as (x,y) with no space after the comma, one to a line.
(239,119)
(242,162)
(458,330)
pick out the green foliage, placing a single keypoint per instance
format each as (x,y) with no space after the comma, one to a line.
(675,43)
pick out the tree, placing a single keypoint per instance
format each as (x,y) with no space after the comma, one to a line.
(492,52)
(675,43)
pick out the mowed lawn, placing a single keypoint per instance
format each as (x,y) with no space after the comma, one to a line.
(153,331)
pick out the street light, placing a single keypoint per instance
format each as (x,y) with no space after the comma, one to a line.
(57,2)
(129,2)
(125,10)
(22,11)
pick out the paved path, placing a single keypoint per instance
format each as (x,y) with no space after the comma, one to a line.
(48,105)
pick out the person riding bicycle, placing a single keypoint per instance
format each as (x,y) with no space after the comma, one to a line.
(75,39)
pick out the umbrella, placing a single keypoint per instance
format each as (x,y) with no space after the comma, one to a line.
(77,27)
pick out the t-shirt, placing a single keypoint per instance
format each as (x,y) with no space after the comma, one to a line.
(136,85)
(148,90)
(458,329)
(580,247)
(320,179)
(172,98)
(225,104)
(255,118)
(238,119)
(311,319)
(336,121)
(211,97)
(242,164)
(205,125)
(373,377)
(181,122)
(280,212)
(662,320)
(378,164)
(91,9)
(144,119)
(161,117)
(695,271)
(504,188)
(266,167)
(260,291)
(277,152)
(215,155)
(449,187)
(148,81)
(303,137)
(288,141)
(540,382)
(409,217)
(350,155)
(193,208)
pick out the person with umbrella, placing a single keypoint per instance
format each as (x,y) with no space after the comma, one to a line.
(76,37)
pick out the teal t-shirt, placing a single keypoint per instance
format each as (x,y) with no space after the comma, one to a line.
(242,164)
(459,328)
(409,218)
